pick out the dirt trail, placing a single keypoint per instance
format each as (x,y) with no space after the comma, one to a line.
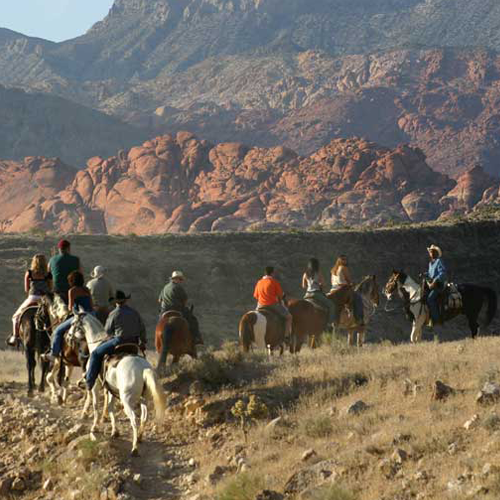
(161,470)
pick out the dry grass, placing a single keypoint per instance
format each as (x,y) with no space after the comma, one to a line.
(311,391)
(13,366)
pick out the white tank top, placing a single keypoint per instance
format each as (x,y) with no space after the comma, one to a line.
(338,281)
(313,284)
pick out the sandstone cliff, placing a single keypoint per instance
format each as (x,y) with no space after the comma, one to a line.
(183,184)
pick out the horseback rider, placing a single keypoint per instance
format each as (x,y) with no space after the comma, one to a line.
(124,326)
(79,298)
(314,283)
(436,281)
(61,265)
(341,278)
(37,282)
(269,296)
(102,292)
(173,297)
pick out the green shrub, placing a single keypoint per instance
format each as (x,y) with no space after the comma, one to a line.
(318,427)
(333,492)
(244,486)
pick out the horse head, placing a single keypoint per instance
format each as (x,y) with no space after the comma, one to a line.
(87,327)
(397,278)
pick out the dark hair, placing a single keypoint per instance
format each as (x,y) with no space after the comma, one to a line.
(312,267)
(269,270)
(76,278)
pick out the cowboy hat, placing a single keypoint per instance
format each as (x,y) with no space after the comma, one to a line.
(436,248)
(98,272)
(121,296)
(178,274)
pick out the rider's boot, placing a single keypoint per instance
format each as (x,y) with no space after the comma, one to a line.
(48,356)
(12,340)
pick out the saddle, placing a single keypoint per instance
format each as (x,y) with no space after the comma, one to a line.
(271,313)
(315,304)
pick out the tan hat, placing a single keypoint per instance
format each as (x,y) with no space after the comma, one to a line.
(436,248)
(178,274)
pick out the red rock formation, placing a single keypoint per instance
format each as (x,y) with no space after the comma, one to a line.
(180,184)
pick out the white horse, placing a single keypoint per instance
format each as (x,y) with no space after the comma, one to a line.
(411,293)
(129,379)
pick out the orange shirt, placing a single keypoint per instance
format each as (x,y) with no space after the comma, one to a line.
(268,291)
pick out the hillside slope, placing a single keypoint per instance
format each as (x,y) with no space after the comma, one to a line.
(36,124)
(232,70)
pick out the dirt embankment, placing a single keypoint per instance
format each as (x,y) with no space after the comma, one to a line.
(222,269)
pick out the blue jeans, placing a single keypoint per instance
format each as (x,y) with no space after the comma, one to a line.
(432,302)
(96,358)
(57,341)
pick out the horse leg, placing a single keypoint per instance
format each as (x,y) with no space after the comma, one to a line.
(144,417)
(86,404)
(111,408)
(361,337)
(473,325)
(45,369)
(416,331)
(30,364)
(105,408)
(51,381)
(96,413)
(350,338)
(129,411)
(65,384)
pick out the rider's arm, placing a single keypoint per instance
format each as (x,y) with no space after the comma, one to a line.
(109,328)
(440,272)
(27,282)
(142,332)
(71,298)
(304,280)
(346,273)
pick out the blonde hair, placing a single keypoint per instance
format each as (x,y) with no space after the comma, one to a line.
(338,264)
(39,264)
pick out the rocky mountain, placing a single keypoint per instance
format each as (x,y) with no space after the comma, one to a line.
(35,124)
(183,184)
(295,74)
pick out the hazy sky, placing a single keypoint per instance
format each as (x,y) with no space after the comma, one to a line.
(55,20)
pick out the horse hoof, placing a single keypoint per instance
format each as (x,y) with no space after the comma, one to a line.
(115,435)
(30,393)
(134,453)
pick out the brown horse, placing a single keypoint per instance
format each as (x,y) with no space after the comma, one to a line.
(35,343)
(181,341)
(309,322)
(264,329)
(51,312)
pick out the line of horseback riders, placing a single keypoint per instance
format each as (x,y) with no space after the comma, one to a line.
(63,276)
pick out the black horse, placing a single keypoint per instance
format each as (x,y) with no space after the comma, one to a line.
(475,299)
(35,343)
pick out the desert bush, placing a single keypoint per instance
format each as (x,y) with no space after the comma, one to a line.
(211,370)
(244,486)
(492,422)
(317,426)
(333,492)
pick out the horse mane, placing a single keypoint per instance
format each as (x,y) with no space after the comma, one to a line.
(94,324)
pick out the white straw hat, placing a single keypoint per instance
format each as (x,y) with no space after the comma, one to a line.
(98,272)
(178,274)
(436,248)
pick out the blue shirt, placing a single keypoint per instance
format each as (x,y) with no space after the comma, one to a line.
(437,270)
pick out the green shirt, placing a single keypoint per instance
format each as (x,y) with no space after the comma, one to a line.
(61,266)
(173,297)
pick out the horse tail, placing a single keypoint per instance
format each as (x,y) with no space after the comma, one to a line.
(246,331)
(491,296)
(156,391)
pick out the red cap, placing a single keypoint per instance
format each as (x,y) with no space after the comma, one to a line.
(63,244)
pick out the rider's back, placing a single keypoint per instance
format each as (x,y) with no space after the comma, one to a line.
(126,323)
(268,291)
(61,266)
(101,291)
